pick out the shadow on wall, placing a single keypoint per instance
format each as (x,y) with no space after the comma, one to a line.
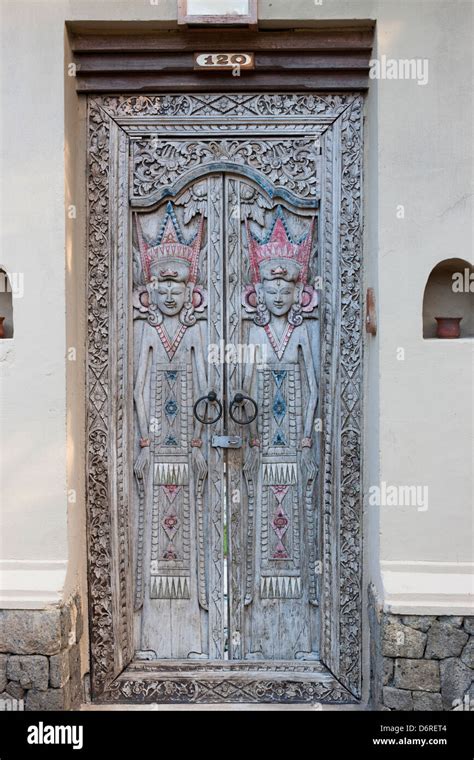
(6,306)
(449,293)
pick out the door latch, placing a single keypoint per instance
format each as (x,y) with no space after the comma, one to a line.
(227,441)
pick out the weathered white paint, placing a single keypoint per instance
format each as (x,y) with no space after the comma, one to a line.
(31,584)
(428,588)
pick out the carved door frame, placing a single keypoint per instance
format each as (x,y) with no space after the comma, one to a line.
(334,121)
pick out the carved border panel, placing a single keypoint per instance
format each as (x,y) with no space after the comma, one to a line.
(335,123)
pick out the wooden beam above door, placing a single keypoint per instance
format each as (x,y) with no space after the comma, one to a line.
(164,61)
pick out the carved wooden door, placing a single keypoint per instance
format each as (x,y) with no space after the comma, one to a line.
(224,377)
(225,304)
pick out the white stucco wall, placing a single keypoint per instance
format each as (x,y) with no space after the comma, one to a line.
(418,410)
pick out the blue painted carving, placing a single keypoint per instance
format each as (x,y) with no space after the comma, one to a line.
(279,439)
(279,375)
(279,407)
(171,408)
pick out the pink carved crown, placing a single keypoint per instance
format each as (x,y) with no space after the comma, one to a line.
(280,246)
(166,257)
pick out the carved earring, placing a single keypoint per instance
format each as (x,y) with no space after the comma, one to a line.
(298,293)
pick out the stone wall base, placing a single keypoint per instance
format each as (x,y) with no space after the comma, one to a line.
(418,662)
(40,663)
(421,662)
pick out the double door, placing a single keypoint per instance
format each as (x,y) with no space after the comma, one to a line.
(226,534)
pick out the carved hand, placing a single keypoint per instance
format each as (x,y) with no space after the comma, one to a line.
(251,462)
(308,464)
(199,463)
(142,462)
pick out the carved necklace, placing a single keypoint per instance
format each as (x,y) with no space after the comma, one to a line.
(279,345)
(170,346)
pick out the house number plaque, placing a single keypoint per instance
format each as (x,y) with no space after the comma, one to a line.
(220,61)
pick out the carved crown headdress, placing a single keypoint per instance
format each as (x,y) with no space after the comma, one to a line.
(170,257)
(278,256)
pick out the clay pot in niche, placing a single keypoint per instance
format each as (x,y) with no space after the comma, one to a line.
(2,327)
(448,327)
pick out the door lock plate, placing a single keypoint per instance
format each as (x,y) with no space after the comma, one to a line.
(227,441)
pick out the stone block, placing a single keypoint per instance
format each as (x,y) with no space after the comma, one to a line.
(3,671)
(455,620)
(467,654)
(445,640)
(420,622)
(31,671)
(387,670)
(456,679)
(419,675)
(469,624)
(397,699)
(51,699)
(423,700)
(59,669)
(15,690)
(402,641)
(30,631)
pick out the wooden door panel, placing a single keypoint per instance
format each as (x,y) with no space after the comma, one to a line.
(179,557)
(273,525)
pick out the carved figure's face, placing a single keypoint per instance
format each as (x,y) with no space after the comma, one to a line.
(279,296)
(169,296)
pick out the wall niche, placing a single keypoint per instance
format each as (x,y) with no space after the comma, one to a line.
(6,306)
(449,292)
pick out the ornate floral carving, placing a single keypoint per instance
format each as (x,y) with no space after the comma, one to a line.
(98,494)
(235,105)
(203,690)
(350,395)
(254,682)
(289,163)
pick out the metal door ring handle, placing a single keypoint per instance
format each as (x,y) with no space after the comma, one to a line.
(239,401)
(211,398)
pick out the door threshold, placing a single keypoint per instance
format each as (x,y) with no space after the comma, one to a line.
(215,682)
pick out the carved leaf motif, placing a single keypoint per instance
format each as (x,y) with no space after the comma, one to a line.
(286,163)
(194,201)
(98,392)
(253,204)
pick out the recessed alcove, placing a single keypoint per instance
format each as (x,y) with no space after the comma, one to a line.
(6,304)
(448,294)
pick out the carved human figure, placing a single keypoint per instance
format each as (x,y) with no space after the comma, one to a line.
(170,467)
(281,456)
(279,268)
